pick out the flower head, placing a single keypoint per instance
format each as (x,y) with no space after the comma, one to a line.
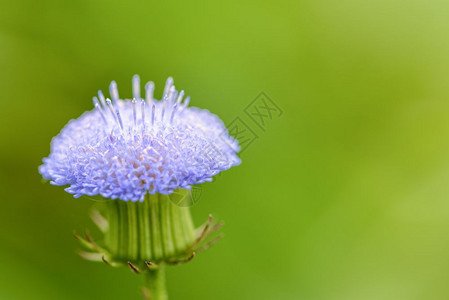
(124,149)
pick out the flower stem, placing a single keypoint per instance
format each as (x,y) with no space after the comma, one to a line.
(155,288)
(145,235)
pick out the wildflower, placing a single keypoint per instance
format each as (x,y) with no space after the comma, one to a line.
(143,155)
(124,149)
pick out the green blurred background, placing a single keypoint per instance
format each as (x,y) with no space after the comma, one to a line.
(345,196)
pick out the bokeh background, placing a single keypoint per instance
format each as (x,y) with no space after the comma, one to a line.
(344,196)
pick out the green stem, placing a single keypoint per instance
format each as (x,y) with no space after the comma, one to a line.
(155,284)
(156,230)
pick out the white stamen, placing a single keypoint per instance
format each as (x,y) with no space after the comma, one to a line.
(115,97)
(172,90)
(113,91)
(102,99)
(173,113)
(136,86)
(168,85)
(119,117)
(111,109)
(181,95)
(164,104)
(134,112)
(174,96)
(186,102)
(142,108)
(98,106)
(168,101)
(149,91)
(152,114)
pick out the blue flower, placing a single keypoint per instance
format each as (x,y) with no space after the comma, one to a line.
(124,149)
